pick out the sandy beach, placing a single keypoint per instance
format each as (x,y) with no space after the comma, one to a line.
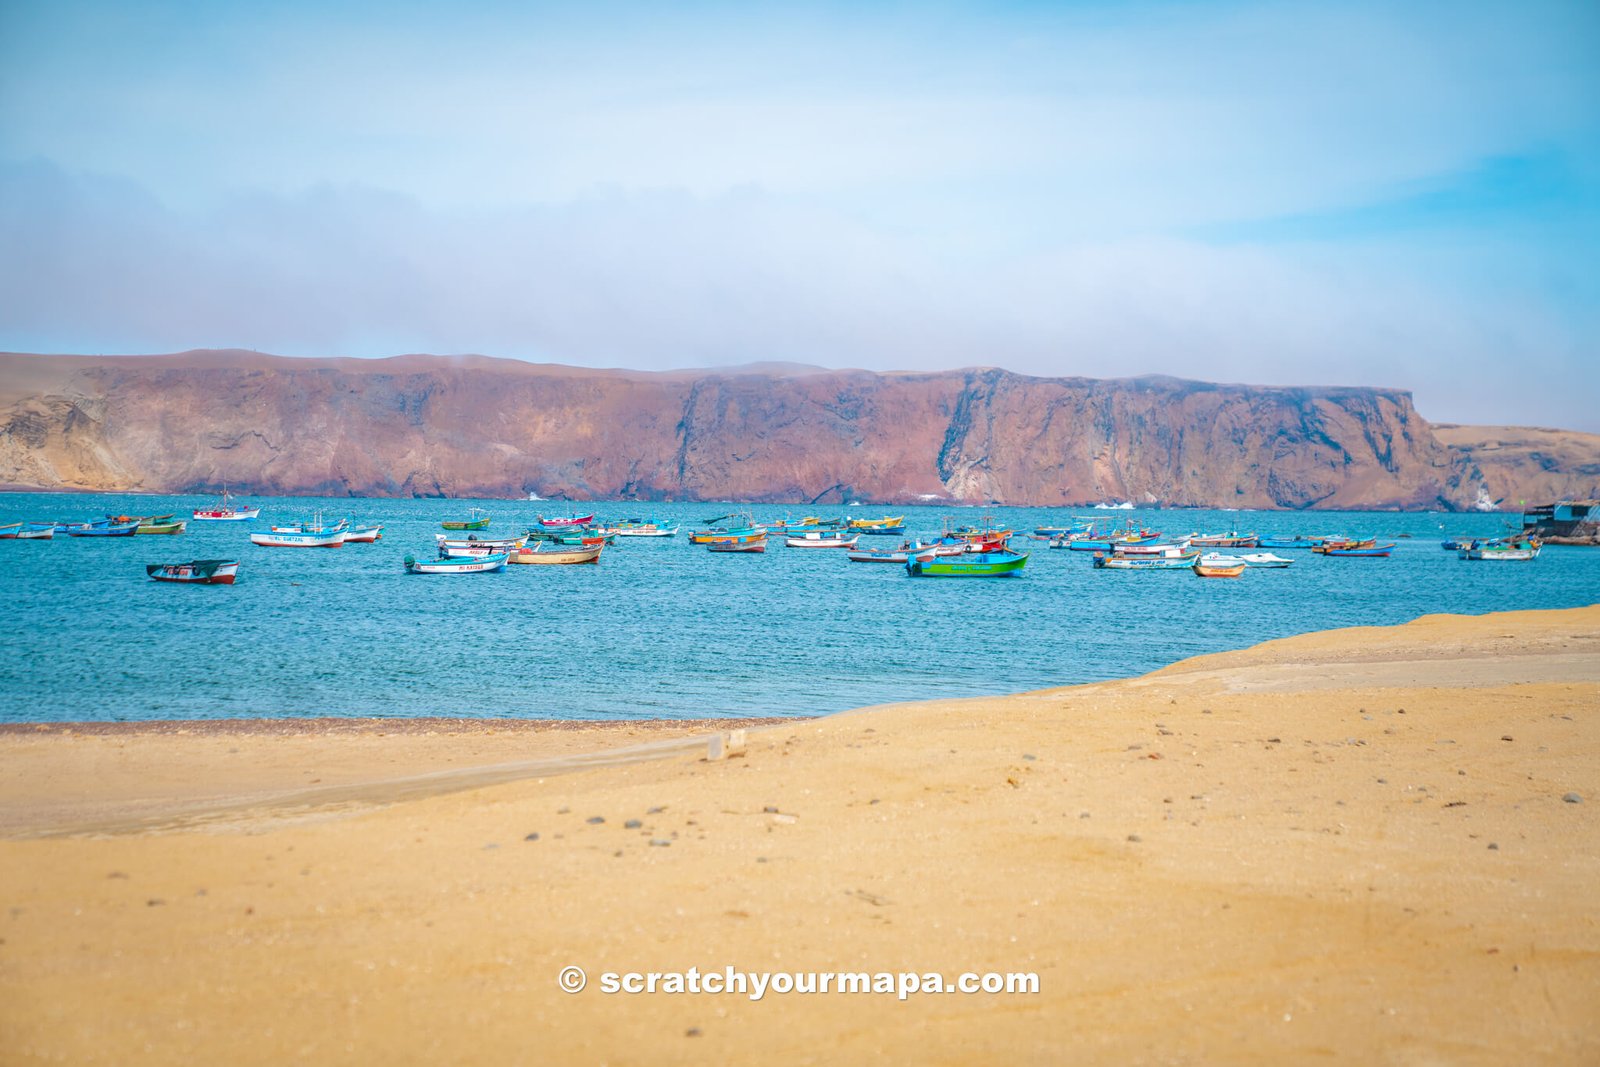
(1366,845)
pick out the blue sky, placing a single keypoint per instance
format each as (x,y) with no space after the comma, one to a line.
(1387,194)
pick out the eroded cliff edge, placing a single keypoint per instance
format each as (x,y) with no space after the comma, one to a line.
(475,426)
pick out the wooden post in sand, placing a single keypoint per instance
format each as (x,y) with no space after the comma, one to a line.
(725,746)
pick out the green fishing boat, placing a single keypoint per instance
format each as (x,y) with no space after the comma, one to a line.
(478,520)
(966,565)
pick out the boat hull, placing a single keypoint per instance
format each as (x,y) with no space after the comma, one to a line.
(1373,551)
(967,565)
(126,530)
(817,541)
(556,555)
(195,572)
(298,540)
(458,565)
(1146,563)
(758,544)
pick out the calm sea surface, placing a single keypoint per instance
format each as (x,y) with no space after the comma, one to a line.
(663,629)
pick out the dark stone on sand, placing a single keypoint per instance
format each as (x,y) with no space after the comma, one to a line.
(659,842)
(1135,838)
(1505,737)
(655,811)
(595,820)
(1573,798)
(632,824)
(693,1031)
(1493,847)
(532,837)
(770,809)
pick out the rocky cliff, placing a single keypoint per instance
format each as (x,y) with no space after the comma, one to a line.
(474,426)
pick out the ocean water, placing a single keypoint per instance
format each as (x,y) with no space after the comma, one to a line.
(663,629)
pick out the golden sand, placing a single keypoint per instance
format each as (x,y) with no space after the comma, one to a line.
(1346,847)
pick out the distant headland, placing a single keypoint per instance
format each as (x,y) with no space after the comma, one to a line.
(476,426)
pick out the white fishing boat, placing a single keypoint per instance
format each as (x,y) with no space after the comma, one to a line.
(225,510)
(1250,559)
(826,539)
(477,547)
(1507,551)
(292,539)
(457,564)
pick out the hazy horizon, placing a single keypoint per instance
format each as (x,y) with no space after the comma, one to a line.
(1267,193)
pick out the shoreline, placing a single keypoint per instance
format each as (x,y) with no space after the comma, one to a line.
(1361,844)
(374,725)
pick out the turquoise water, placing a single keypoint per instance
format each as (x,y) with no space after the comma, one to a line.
(663,629)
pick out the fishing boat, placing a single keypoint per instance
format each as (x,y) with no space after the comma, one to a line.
(196,572)
(103,529)
(574,535)
(477,519)
(1515,550)
(151,524)
(1368,548)
(224,510)
(546,552)
(1096,536)
(19,531)
(566,520)
(457,564)
(1234,539)
(821,539)
(1217,570)
(141,518)
(475,546)
(966,565)
(1297,542)
(881,555)
(753,544)
(300,539)
(315,524)
(987,532)
(640,528)
(742,530)
(1253,559)
(364,535)
(895,524)
(1116,562)
(1169,550)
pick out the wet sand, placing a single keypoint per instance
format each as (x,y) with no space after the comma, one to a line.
(1345,846)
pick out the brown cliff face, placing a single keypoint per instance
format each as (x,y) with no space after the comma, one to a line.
(472,426)
(1528,463)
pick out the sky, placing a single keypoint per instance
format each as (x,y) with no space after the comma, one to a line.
(1397,195)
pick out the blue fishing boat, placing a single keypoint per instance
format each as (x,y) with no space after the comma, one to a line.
(966,565)
(102,529)
(1296,542)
